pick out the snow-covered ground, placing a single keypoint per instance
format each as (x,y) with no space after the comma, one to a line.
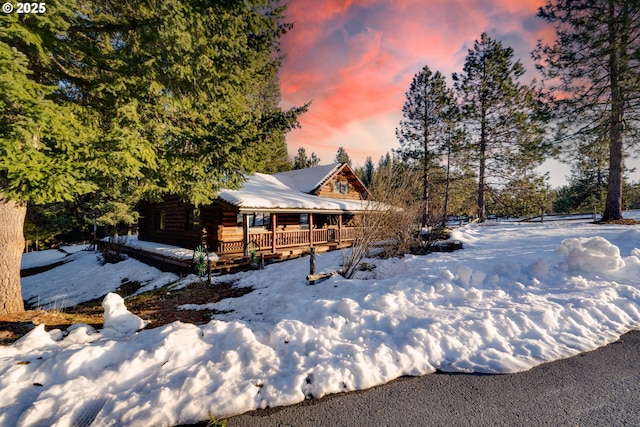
(517,296)
(42,258)
(85,278)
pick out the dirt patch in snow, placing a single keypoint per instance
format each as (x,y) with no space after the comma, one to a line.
(158,307)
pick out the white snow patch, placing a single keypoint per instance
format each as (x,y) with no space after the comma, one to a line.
(117,318)
(593,254)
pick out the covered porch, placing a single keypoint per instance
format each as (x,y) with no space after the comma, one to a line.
(278,232)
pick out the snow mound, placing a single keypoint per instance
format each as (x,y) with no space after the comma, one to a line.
(590,254)
(117,318)
(38,338)
(630,235)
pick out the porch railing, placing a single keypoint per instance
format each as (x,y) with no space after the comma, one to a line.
(291,238)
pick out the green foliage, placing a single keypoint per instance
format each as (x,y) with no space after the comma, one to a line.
(129,100)
(200,259)
(503,117)
(44,223)
(587,188)
(301,161)
(45,143)
(632,195)
(424,129)
(430,115)
(214,422)
(369,169)
(365,173)
(592,80)
(342,156)
(521,197)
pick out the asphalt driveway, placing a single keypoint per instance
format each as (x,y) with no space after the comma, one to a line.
(599,388)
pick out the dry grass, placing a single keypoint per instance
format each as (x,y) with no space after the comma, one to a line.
(620,222)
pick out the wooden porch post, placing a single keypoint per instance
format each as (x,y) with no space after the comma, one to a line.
(245,233)
(274,226)
(310,229)
(340,229)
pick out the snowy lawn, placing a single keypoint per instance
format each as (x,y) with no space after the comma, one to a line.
(50,256)
(517,296)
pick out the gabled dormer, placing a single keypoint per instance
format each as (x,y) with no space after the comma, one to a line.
(337,181)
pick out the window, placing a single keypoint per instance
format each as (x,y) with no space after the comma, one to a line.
(304,221)
(341,187)
(193,219)
(255,220)
(161,218)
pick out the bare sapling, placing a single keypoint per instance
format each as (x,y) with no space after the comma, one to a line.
(386,223)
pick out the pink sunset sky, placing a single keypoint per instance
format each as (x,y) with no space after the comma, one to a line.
(355,59)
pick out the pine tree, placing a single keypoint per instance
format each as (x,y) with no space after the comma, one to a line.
(593,68)
(451,147)
(502,115)
(272,153)
(45,144)
(121,100)
(424,130)
(587,187)
(342,156)
(301,161)
(313,160)
(385,161)
(369,170)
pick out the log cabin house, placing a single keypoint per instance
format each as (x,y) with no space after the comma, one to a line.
(282,214)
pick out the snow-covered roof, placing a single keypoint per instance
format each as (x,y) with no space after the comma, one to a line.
(263,192)
(307,180)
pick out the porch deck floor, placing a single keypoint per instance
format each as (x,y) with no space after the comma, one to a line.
(226,263)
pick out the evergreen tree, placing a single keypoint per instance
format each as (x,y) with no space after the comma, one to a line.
(45,144)
(523,196)
(342,156)
(587,187)
(424,130)
(593,68)
(313,160)
(632,195)
(272,153)
(369,170)
(385,161)
(121,100)
(501,115)
(302,161)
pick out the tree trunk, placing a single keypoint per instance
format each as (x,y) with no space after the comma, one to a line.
(481,170)
(425,176)
(446,188)
(613,207)
(12,216)
(425,195)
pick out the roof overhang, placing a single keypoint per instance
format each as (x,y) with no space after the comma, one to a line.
(262,209)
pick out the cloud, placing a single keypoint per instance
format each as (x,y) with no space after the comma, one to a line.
(355,59)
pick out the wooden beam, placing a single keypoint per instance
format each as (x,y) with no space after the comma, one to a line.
(313,278)
(340,229)
(310,229)
(245,234)
(274,226)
